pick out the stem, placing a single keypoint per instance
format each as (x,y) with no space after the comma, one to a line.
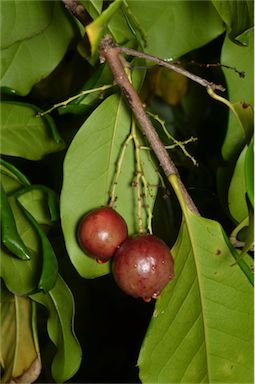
(176,142)
(174,67)
(82,93)
(142,185)
(110,52)
(78,11)
(118,170)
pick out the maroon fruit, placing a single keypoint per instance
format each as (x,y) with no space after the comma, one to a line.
(142,266)
(101,232)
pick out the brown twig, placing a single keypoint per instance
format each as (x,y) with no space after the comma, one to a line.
(174,67)
(111,53)
(78,11)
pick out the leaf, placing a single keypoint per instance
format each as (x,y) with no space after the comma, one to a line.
(49,269)
(10,236)
(89,168)
(26,273)
(240,94)
(237,15)
(169,85)
(249,238)
(36,47)
(11,178)
(26,135)
(41,270)
(237,190)
(22,20)
(202,326)
(19,355)
(181,25)
(41,202)
(97,28)
(93,7)
(249,172)
(60,304)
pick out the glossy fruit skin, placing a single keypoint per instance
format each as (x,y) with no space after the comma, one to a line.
(142,266)
(101,231)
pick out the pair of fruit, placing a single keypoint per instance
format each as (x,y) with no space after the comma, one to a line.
(142,264)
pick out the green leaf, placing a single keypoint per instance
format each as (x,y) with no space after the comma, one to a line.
(240,91)
(93,7)
(41,202)
(244,260)
(49,267)
(202,326)
(239,131)
(249,172)
(249,238)
(27,273)
(41,270)
(97,28)
(237,190)
(25,134)
(19,356)
(181,25)
(34,48)
(89,168)
(10,236)
(237,15)
(11,178)
(60,304)
(22,20)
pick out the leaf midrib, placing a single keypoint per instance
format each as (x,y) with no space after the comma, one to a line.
(189,229)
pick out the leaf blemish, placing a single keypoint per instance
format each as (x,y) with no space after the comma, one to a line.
(245,105)
(218,252)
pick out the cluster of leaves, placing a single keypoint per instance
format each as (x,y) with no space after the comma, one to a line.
(201,329)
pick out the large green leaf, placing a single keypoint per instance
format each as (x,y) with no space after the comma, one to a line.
(89,168)
(22,20)
(37,46)
(60,304)
(174,28)
(26,135)
(19,357)
(237,190)
(240,90)
(202,326)
(237,15)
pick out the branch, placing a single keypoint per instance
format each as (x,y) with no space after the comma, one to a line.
(111,53)
(78,11)
(174,67)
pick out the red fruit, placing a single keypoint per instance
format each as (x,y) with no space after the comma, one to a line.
(142,266)
(101,232)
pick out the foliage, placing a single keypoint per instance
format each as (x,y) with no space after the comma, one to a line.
(69,143)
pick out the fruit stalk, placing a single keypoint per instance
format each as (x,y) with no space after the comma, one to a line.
(111,53)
